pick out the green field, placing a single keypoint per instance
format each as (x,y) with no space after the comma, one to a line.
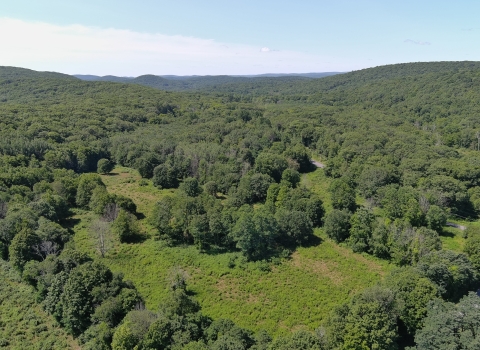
(296,293)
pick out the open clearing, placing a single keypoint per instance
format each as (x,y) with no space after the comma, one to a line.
(299,292)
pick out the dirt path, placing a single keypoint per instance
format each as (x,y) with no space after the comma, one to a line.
(460,227)
(317,164)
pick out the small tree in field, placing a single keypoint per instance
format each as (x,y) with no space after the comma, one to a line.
(337,225)
(126,226)
(104,166)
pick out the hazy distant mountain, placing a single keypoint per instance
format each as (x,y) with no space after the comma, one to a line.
(186,77)
(104,78)
(305,75)
(197,82)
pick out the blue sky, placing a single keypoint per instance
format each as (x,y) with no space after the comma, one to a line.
(233,37)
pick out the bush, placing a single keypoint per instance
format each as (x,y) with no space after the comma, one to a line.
(191,187)
(337,225)
(104,166)
(436,218)
(126,227)
(86,185)
(343,196)
(291,177)
(165,176)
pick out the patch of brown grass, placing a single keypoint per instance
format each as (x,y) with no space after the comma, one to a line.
(327,269)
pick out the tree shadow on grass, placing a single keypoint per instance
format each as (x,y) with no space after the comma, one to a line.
(444,233)
(216,250)
(190,292)
(312,241)
(139,238)
(140,216)
(69,223)
(311,168)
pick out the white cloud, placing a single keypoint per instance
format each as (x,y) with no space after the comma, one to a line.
(92,50)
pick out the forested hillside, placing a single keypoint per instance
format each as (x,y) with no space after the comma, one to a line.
(194,83)
(155,219)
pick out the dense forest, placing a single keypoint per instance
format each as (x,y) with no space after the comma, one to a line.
(105,186)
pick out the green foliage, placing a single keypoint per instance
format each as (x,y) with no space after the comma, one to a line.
(165,176)
(99,199)
(77,299)
(379,243)
(109,205)
(301,156)
(295,226)
(299,340)
(25,325)
(191,187)
(369,321)
(124,337)
(104,166)
(409,245)
(271,164)
(16,221)
(413,293)
(472,248)
(211,188)
(255,234)
(126,227)
(401,202)
(337,225)
(373,178)
(97,337)
(84,293)
(51,231)
(361,226)
(86,186)
(452,272)
(343,195)
(20,249)
(252,189)
(291,177)
(436,218)
(224,334)
(450,326)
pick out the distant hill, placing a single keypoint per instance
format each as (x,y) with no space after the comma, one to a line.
(381,73)
(187,77)
(208,82)
(22,73)
(303,87)
(304,75)
(289,84)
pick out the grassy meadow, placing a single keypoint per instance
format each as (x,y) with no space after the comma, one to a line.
(295,293)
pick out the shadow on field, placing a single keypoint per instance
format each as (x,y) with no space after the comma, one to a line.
(139,238)
(140,216)
(313,241)
(69,223)
(447,234)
